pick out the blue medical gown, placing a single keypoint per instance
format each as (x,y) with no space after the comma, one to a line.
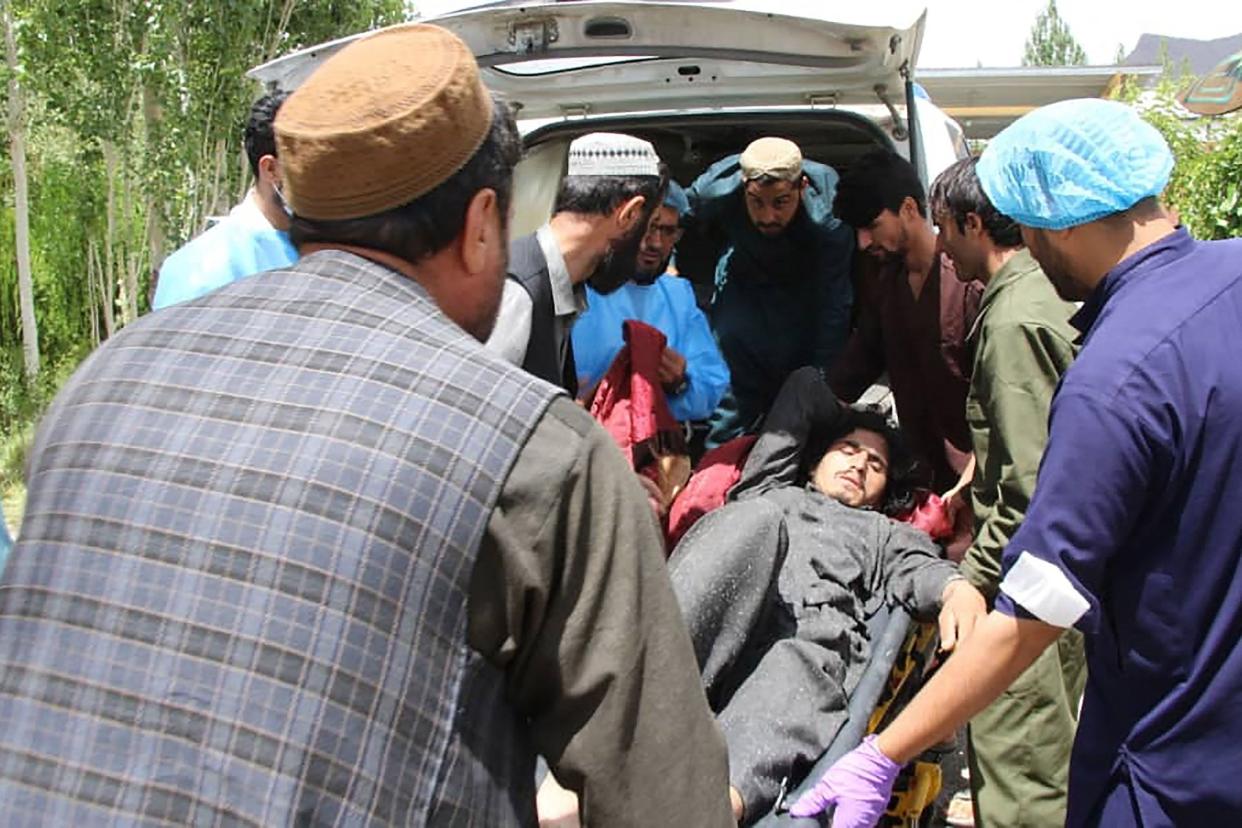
(241,244)
(6,544)
(667,305)
(1134,535)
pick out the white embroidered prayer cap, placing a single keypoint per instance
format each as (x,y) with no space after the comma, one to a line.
(610,153)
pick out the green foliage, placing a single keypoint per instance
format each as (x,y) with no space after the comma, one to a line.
(1217,181)
(1206,188)
(1206,185)
(135,111)
(21,404)
(1051,43)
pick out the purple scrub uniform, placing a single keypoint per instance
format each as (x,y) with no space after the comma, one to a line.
(1134,535)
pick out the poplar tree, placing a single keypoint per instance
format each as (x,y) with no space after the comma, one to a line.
(1051,43)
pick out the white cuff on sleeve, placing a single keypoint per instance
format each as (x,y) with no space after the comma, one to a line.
(1042,589)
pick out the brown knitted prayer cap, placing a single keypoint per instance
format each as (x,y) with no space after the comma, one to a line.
(381,122)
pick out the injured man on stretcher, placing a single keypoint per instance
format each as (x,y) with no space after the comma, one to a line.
(777,584)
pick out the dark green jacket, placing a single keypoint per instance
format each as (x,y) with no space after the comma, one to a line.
(1023,344)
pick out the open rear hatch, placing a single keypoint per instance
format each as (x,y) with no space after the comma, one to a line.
(559,59)
(625,64)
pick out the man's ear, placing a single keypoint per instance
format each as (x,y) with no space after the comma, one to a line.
(630,212)
(973,224)
(909,209)
(269,169)
(481,231)
(1066,234)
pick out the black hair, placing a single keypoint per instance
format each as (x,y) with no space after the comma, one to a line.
(430,222)
(880,180)
(599,195)
(905,474)
(957,191)
(259,138)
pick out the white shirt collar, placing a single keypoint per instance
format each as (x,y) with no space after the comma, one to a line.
(568,299)
(247,213)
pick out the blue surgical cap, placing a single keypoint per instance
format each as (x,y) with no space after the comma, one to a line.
(1072,162)
(675,197)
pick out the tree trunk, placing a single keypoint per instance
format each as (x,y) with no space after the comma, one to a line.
(130,260)
(152,115)
(17,151)
(272,45)
(103,286)
(91,298)
(111,272)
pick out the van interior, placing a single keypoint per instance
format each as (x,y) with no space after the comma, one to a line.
(689,144)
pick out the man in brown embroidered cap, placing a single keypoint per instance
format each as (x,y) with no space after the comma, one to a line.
(612,186)
(301,551)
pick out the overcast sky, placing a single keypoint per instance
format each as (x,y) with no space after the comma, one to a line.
(963,33)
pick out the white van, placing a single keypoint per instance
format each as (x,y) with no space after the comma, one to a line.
(699,79)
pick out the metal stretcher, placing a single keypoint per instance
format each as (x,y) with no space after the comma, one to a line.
(902,657)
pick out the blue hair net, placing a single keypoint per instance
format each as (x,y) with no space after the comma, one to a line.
(1072,162)
(675,197)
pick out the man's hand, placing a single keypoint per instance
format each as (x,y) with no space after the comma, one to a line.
(556,806)
(736,804)
(672,369)
(961,608)
(859,784)
(586,390)
(960,490)
(654,496)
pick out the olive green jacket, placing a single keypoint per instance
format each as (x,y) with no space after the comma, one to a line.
(1023,343)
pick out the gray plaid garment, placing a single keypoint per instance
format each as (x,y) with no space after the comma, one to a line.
(240,592)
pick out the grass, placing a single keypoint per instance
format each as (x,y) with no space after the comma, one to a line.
(13,450)
(14,501)
(22,403)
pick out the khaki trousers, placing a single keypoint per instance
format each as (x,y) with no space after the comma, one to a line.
(1020,744)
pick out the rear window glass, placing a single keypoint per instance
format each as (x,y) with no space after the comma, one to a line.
(552,66)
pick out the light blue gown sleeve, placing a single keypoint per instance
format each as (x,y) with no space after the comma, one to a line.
(705,367)
(6,543)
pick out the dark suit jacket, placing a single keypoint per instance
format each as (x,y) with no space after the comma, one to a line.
(529,268)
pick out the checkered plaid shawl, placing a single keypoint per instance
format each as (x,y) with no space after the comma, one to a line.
(240,592)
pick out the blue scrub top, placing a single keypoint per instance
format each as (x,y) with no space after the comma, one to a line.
(1134,535)
(241,244)
(668,306)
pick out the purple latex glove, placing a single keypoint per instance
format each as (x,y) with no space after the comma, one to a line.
(859,784)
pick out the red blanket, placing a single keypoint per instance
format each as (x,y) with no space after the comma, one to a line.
(715,474)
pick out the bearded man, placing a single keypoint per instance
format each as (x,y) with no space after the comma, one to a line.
(692,371)
(763,243)
(614,182)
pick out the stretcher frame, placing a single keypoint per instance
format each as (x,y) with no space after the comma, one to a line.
(903,655)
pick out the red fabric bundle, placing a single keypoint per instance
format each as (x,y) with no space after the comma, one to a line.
(629,401)
(932,514)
